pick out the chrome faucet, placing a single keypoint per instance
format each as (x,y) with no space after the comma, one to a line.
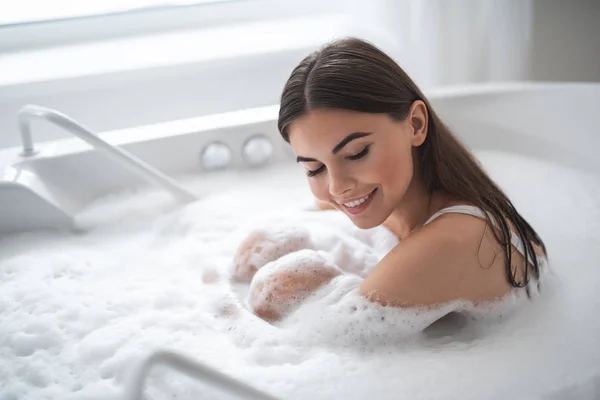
(194,369)
(126,159)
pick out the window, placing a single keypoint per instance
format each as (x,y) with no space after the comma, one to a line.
(27,24)
(119,63)
(30,11)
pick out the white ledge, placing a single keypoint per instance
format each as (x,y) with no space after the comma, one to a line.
(165,50)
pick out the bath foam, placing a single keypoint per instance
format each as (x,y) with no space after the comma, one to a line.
(274,238)
(354,322)
(266,244)
(283,284)
(77,312)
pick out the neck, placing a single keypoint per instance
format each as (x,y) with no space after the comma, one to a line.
(414,209)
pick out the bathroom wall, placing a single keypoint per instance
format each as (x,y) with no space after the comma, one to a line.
(565,46)
(566,40)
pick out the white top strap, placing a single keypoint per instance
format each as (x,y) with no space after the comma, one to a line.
(460,209)
(477,212)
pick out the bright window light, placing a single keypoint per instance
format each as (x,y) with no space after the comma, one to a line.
(30,11)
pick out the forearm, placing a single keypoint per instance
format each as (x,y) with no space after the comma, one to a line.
(282,285)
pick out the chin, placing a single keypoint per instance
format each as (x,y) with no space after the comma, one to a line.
(365,223)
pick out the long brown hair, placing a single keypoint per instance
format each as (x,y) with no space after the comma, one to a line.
(353,74)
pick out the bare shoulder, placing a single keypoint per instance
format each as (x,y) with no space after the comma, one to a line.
(454,257)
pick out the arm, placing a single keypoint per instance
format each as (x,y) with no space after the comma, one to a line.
(436,264)
(405,277)
(446,260)
(283,284)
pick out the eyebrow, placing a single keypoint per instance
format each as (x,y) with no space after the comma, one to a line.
(339,146)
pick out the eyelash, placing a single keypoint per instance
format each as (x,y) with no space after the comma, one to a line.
(360,155)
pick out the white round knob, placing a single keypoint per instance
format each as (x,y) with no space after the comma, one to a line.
(215,156)
(257,150)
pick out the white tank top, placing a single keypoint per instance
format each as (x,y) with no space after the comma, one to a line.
(477,212)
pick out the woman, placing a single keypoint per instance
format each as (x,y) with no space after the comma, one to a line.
(374,149)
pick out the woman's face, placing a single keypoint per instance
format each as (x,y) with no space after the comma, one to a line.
(360,163)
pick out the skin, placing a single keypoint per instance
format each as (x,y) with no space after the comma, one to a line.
(454,257)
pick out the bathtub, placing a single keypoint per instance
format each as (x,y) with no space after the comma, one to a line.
(48,190)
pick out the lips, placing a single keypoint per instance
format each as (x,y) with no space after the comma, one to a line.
(356,198)
(354,209)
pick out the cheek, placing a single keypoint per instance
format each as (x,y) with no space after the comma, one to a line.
(396,170)
(318,187)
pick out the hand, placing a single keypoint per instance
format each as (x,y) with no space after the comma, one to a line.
(282,284)
(267,244)
(323,205)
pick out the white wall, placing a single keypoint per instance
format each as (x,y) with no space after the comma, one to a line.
(566,40)
(137,81)
(133,98)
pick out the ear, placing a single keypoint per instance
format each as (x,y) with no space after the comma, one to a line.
(418,118)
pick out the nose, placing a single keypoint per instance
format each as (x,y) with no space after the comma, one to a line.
(340,183)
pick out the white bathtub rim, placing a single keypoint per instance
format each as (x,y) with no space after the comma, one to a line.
(182,127)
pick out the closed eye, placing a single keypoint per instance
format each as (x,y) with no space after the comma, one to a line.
(361,154)
(316,171)
(357,156)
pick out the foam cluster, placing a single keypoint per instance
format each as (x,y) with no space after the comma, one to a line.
(267,244)
(283,284)
(77,311)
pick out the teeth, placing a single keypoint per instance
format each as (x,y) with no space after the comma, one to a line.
(357,202)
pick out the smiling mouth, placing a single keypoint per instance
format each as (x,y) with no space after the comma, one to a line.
(358,206)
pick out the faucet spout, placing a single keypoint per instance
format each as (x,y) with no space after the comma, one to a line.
(117,154)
